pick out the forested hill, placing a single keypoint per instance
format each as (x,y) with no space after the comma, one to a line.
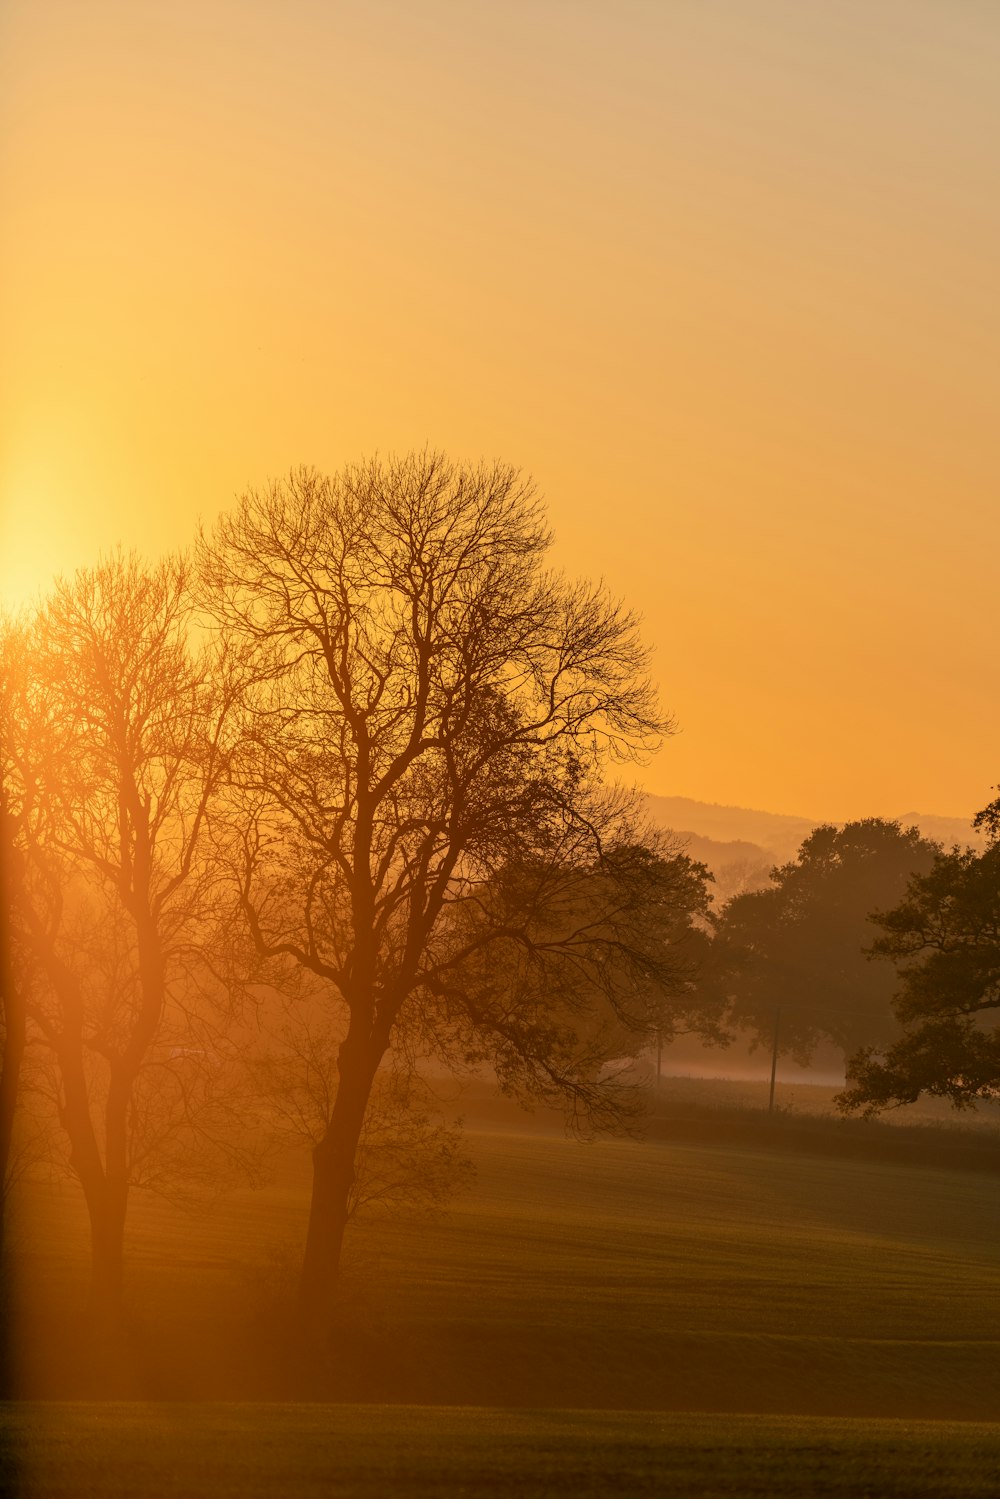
(740,844)
(771,835)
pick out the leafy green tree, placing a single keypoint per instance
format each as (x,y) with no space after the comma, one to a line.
(800,945)
(944,938)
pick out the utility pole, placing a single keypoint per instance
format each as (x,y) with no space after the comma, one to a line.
(774,1059)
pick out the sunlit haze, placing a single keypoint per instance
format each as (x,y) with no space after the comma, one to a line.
(721,276)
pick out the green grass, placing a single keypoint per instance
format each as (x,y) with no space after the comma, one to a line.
(584,1322)
(370,1452)
(626,1275)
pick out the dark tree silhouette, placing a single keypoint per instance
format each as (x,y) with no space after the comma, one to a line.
(645,989)
(944,938)
(16,797)
(421,811)
(988,820)
(409,1159)
(123,745)
(801,944)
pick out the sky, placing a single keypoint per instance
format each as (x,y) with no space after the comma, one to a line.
(720,274)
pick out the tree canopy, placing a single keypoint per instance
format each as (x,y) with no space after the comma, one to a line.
(944,938)
(800,945)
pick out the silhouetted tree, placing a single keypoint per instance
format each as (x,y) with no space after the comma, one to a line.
(409,1157)
(944,938)
(126,744)
(988,821)
(801,944)
(15,812)
(651,904)
(421,798)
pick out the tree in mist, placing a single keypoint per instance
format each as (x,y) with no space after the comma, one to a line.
(16,810)
(409,1158)
(644,990)
(739,877)
(124,740)
(421,808)
(801,945)
(944,938)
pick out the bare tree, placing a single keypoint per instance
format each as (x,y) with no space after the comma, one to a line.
(118,898)
(420,780)
(15,814)
(409,1158)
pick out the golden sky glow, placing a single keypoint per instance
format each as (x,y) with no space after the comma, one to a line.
(721,273)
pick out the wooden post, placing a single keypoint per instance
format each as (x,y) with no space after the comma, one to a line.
(659,1055)
(774,1060)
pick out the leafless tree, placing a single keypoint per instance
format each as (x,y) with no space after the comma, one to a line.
(124,746)
(409,1158)
(15,815)
(421,780)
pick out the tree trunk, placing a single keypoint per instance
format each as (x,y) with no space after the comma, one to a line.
(106,1206)
(104,1181)
(333,1177)
(12,1000)
(10,1074)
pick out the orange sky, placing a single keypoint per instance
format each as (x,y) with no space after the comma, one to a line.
(721,273)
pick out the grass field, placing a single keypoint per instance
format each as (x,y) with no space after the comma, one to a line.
(586,1320)
(376,1452)
(618,1275)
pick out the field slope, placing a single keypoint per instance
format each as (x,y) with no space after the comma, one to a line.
(616,1275)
